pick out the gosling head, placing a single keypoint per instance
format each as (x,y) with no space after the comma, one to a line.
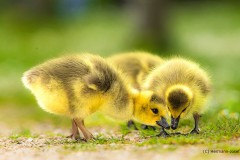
(149,109)
(179,101)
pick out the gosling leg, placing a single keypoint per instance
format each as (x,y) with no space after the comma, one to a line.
(145,127)
(195,130)
(75,132)
(131,124)
(80,124)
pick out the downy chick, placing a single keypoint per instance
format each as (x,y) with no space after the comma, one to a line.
(78,85)
(135,66)
(184,86)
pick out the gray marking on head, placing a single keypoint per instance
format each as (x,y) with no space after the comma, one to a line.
(156,99)
(177,98)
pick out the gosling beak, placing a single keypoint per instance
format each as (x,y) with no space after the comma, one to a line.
(174,122)
(163,123)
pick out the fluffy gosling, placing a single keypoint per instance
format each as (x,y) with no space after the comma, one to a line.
(184,86)
(135,66)
(78,85)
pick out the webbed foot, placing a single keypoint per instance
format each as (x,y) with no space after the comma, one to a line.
(195,131)
(177,133)
(74,136)
(145,127)
(88,136)
(163,133)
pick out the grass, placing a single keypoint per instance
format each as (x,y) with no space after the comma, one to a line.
(100,142)
(26,133)
(217,132)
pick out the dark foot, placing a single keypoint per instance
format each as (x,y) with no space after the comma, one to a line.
(163,133)
(145,127)
(132,125)
(195,131)
(177,133)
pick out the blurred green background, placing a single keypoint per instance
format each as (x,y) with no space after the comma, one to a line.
(34,31)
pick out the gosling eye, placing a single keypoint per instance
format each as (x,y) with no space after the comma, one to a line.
(155,110)
(184,110)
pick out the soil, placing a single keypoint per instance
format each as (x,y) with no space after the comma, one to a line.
(54,146)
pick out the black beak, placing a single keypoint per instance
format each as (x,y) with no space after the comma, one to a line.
(174,122)
(163,123)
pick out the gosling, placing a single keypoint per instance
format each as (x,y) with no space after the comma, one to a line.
(184,86)
(135,66)
(78,85)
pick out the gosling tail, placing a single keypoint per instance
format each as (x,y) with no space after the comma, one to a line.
(29,78)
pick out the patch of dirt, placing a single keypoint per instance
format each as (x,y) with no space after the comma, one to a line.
(38,149)
(50,147)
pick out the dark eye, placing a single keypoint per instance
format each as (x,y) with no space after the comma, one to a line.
(184,110)
(155,110)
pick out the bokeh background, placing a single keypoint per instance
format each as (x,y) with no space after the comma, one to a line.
(207,32)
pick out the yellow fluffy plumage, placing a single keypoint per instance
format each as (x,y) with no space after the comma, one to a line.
(135,66)
(183,85)
(147,101)
(79,85)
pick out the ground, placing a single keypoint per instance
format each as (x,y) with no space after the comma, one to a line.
(46,146)
(24,137)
